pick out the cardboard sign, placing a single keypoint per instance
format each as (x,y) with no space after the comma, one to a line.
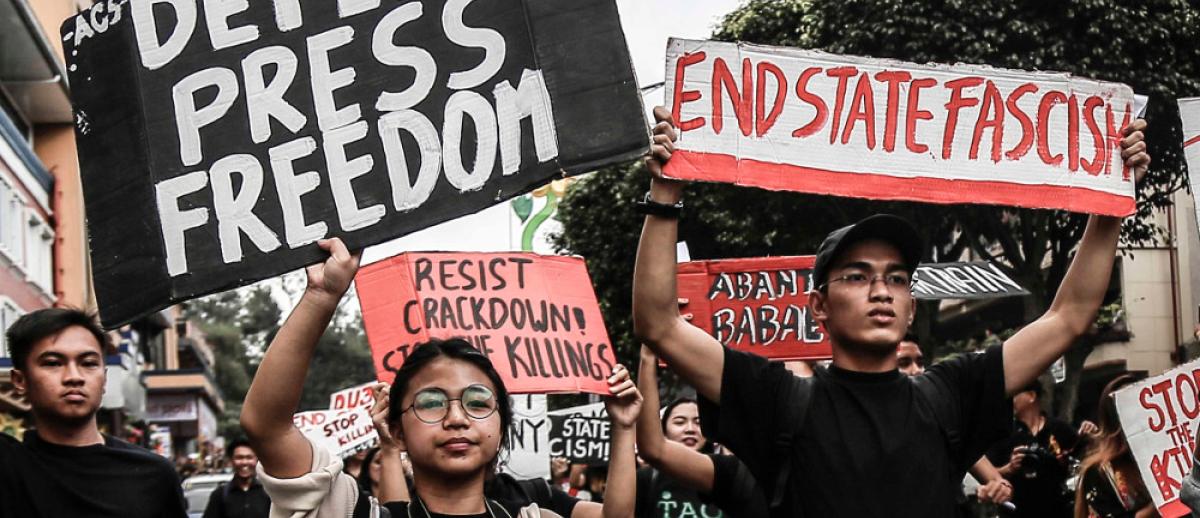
(1189,113)
(581,434)
(978,280)
(788,119)
(535,316)
(755,305)
(342,432)
(529,438)
(219,140)
(1159,418)
(353,397)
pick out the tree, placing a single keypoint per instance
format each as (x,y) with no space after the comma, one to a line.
(239,325)
(1152,46)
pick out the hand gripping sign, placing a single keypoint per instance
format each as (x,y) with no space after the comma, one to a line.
(1159,418)
(218,140)
(536,317)
(788,119)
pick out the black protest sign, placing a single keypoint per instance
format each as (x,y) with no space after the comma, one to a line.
(977,280)
(580,438)
(219,140)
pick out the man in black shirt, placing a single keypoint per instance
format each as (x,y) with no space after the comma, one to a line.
(242,497)
(66,467)
(1035,458)
(875,442)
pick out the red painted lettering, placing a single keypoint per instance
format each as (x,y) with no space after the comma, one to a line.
(1015,110)
(862,108)
(914,114)
(763,121)
(1187,396)
(742,99)
(1114,136)
(893,78)
(1043,127)
(843,75)
(991,117)
(1101,150)
(802,92)
(1162,388)
(1073,133)
(1146,397)
(680,97)
(956,103)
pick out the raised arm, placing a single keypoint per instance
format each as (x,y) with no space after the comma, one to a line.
(275,392)
(393,485)
(620,495)
(680,463)
(1029,352)
(691,352)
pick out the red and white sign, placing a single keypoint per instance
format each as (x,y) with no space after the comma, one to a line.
(535,316)
(353,397)
(755,305)
(1189,113)
(1159,417)
(342,432)
(788,119)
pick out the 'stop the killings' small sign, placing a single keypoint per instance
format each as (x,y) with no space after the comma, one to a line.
(219,140)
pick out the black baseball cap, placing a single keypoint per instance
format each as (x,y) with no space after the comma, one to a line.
(892,229)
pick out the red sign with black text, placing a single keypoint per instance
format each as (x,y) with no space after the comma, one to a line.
(755,305)
(536,317)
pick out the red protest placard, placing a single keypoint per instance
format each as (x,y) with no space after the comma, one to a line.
(755,305)
(1159,418)
(535,316)
(789,119)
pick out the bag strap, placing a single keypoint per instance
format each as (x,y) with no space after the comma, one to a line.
(791,412)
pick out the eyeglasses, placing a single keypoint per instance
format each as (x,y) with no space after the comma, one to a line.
(432,405)
(862,280)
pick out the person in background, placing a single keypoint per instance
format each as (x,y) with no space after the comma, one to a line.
(1036,457)
(1110,484)
(242,497)
(686,478)
(65,467)
(909,358)
(368,476)
(353,464)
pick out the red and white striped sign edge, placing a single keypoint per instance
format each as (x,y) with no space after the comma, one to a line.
(778,140)
(1189,113)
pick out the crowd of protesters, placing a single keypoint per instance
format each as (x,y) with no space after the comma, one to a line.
(874,432)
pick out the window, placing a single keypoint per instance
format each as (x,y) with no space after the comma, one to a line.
(40,250)
(12,223)
(9,313)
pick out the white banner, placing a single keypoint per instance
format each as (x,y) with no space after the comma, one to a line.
(342,432)
(529,437)
(1189,113)
(1159,417)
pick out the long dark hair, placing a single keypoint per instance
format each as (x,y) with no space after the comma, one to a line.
(666,416)
(456,349)
(1109,445)
(364,474)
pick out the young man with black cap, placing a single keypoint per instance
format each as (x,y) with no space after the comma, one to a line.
(866,440)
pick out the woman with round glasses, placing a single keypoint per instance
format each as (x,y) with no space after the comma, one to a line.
(448,409)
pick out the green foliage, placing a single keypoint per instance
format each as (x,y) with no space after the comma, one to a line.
(1153,46)
(342,359)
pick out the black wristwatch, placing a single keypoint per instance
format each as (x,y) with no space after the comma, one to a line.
(648,206)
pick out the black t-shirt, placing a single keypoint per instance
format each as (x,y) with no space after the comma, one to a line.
(506,489)
(873,444)
(400,509)
(229,500)
(660,496)
(1038,489)
(115,479)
